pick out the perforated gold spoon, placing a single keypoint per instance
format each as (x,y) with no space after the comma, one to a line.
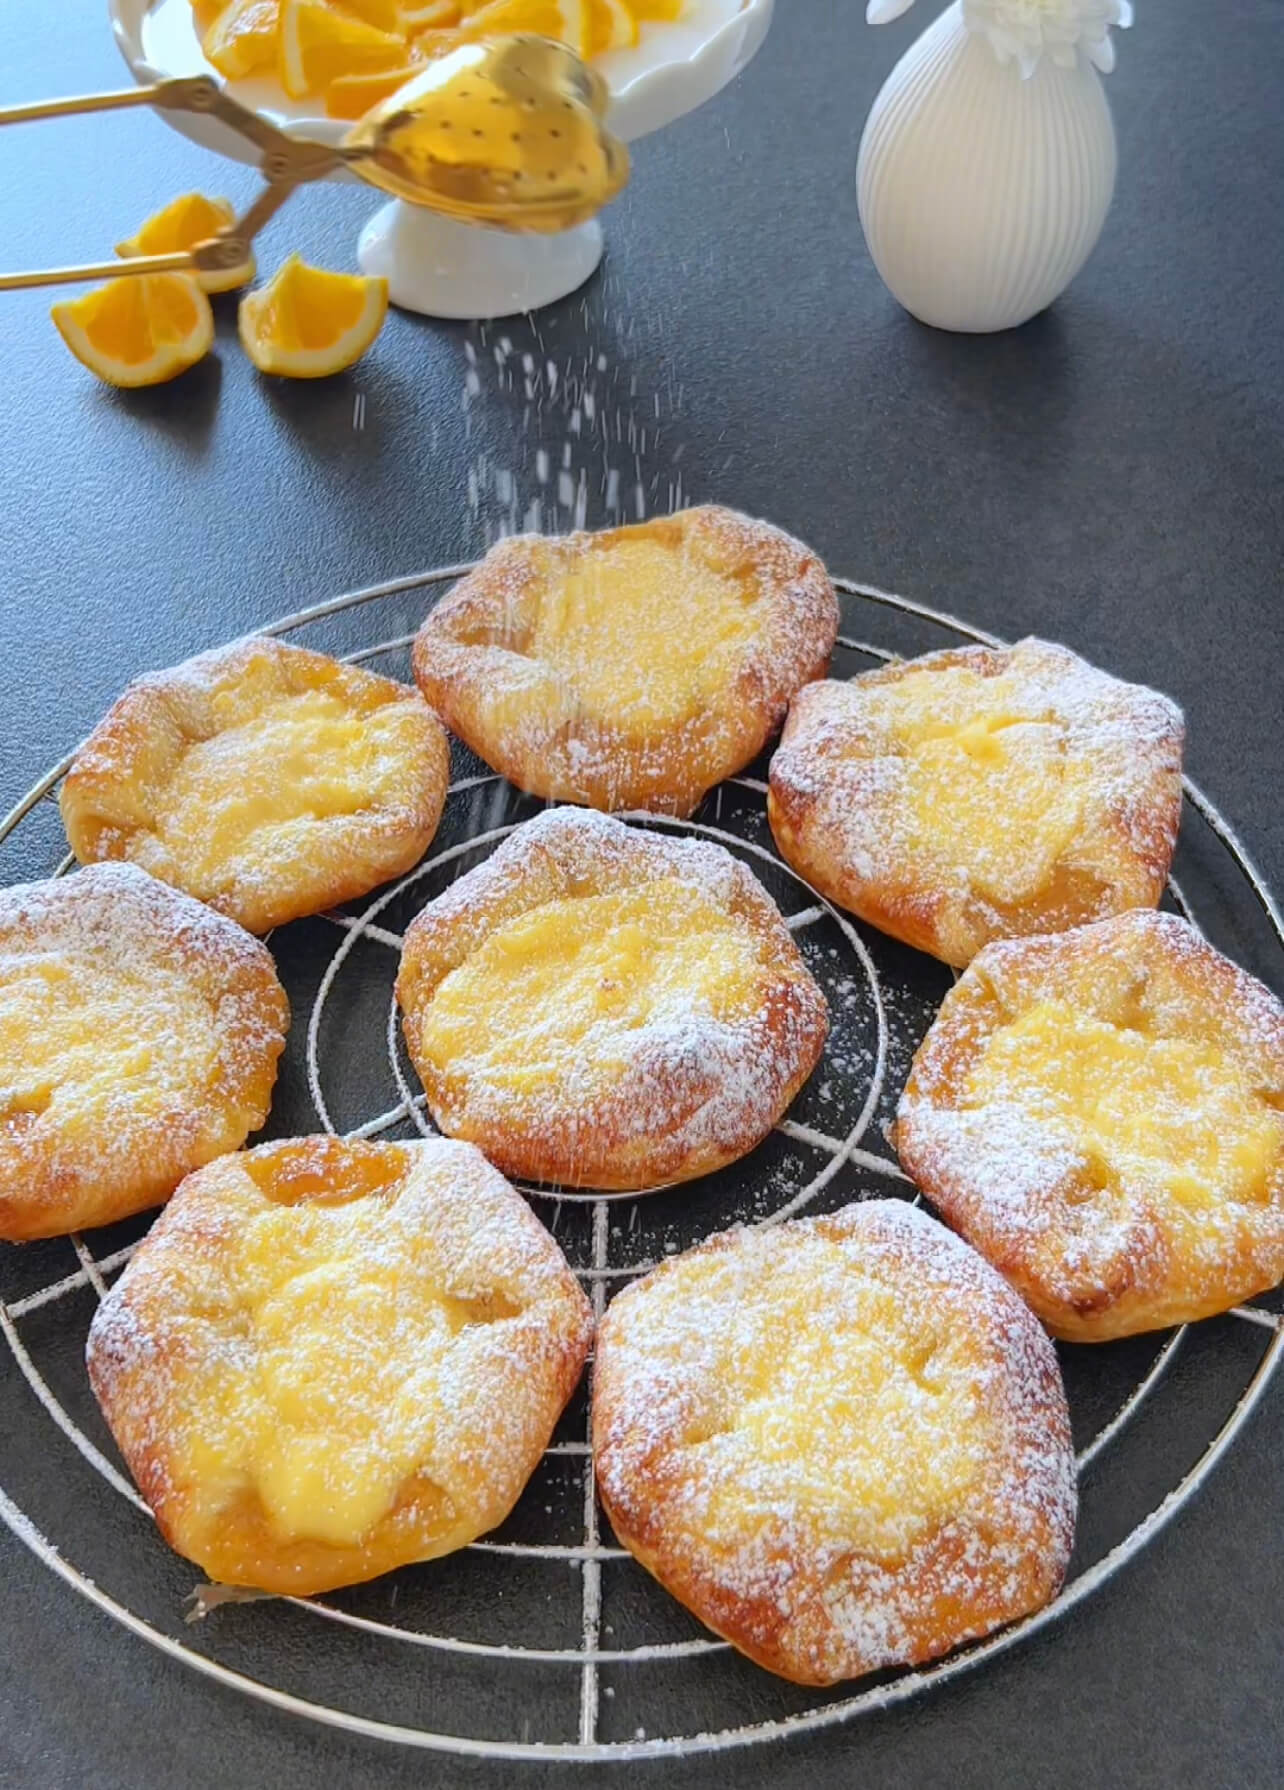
(506,132)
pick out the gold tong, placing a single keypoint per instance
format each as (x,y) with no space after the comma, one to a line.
(505,132)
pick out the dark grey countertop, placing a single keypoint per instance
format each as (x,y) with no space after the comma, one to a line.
(1110,475)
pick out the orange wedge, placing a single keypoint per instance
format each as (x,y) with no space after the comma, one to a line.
(204,13)
(385,15)
(567,20)
(351,96)
(138,330)
(306,323)
(588,26)
(319,42)
(242,39)
(427,44)
(428,15)
(183,223)
(613,25)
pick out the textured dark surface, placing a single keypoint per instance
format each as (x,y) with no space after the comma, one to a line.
(1110,475)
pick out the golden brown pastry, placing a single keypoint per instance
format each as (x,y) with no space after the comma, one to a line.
(266,780)
(332,1358)
(634,668)
(841,1442)
(1101,1114)
(980,793)
(600,1006)
(139,1037)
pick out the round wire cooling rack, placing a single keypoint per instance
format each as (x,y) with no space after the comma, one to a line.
(545,1641)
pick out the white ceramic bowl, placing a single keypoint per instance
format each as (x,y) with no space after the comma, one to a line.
(434,265)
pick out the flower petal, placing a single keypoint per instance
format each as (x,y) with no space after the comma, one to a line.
(882,12)
(1061,30)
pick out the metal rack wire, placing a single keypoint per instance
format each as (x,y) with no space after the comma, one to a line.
(609,1240)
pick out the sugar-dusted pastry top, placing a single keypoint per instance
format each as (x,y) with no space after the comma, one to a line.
(980,793)
(264,779)
(1101,1113)
(604,1006)
(842,1442)
(634,668)
(139,1037)
(331,1358)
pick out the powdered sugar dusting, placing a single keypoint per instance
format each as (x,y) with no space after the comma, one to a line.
(843,1442)
(584,443)
(1102,1113)
(665,1088)
(631,669)
(373,1366)
(265,779)
(139,1034)
(980,793)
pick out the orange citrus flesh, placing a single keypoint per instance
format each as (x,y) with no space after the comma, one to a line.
(138,330)
(318,42)
(429,15)
(181,224)
(241,39)
(312,45)
(351,96)
(306,323)
(384,15)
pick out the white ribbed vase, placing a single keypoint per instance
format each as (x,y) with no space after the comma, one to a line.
(982,193)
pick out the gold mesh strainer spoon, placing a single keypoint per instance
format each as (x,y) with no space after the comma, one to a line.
(506,132)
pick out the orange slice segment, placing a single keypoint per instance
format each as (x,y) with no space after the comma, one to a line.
(351,96)
(588,26)
(241,40)
(319,42)
(613,25)
(384,15)
(428,15)
(566,20)
(306,323)
(181,224)
(138,330)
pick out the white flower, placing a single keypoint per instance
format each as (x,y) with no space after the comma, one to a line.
(1024,30)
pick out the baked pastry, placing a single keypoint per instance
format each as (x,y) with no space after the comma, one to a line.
(600,1006)
(139,1037)
(1101,1114)
(266,780)
(842,1442)
(634,668)
(332,1358)
(980,793)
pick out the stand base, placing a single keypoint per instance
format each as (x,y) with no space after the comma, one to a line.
(445,269)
